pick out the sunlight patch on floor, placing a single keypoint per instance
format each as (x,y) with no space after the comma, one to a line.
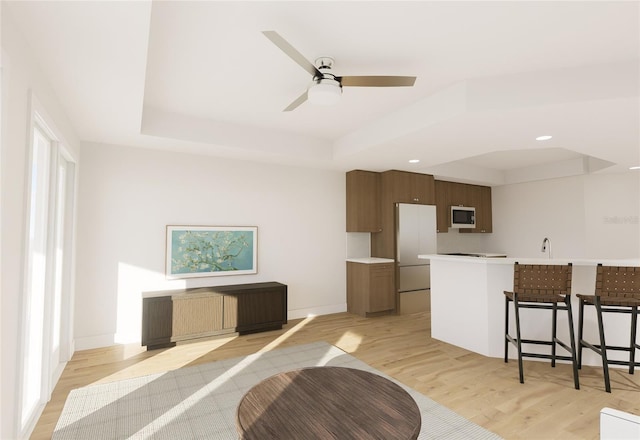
(349,341)
(280,339)
(169,359)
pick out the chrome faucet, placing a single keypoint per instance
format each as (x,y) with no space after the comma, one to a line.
(546,242)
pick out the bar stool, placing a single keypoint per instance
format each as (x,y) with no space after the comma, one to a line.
(617,291)
(541,287)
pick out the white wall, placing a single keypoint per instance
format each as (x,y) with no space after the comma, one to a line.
(20,74)
(128,196)
(590,216)
(467,242)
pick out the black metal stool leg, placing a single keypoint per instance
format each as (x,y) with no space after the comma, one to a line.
(576,379)
(506,329)
(554,333)
(519,344)
(634,330)
(580,331)
(603,346)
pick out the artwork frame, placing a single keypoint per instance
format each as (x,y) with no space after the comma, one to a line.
(207,251)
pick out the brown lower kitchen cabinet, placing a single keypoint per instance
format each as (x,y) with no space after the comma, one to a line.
(169,317)
(370,288)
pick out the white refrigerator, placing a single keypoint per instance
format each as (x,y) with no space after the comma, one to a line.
(415,235)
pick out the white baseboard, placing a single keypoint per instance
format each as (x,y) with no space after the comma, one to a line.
(618,425)
(315,311)
(98,341)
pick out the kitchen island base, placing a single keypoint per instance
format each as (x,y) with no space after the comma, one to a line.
(467,304)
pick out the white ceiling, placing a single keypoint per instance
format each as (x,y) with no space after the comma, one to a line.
(491,76)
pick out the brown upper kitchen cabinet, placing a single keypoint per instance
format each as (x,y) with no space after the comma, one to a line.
(399,187)
(480,198)
(461,194)
(363,201)
(443,197)
(407,187)
(449,194)
(484,219)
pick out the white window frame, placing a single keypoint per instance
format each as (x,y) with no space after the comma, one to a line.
(38,117)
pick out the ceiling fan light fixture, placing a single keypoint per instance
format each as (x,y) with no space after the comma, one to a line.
(324,91)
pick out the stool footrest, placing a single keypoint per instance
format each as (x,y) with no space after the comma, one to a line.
(625,363)
(535,341)
(546,356)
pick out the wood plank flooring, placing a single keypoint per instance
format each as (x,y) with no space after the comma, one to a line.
(484,390)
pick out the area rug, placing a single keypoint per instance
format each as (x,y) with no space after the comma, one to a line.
(199,402)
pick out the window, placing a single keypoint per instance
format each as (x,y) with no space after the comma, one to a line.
(33,340)
(46,311)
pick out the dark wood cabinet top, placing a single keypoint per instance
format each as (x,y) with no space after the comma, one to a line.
(208,290)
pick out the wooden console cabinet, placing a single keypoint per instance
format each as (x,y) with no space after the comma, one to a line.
(174,316)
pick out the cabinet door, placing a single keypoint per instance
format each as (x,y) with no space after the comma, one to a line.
(248,311)
(459,195)
(197,317)
(480,198)
(485,217)
(406,187)
(423,189)
(357,288)
(382,291)
(397,186)
(157,320)
(363,201)
(443,203)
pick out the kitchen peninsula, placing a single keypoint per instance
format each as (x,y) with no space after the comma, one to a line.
(467,304)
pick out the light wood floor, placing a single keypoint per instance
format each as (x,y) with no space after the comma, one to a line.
(484,390)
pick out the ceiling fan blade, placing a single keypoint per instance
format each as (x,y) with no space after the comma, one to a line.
(377,81)
(302,98)
(292,52)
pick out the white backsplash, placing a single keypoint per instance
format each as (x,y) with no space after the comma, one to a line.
(454,241)
(358,244)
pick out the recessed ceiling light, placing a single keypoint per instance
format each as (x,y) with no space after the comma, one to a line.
(635,168)
(414,160)
(543,138)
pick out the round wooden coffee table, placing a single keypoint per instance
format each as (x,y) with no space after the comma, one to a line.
(325,403)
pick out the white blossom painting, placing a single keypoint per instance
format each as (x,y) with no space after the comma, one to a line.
(203,251)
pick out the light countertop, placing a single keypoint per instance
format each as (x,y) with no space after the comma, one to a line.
(575,261)
(370,260)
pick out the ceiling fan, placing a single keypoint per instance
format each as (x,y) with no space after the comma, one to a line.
(326,87)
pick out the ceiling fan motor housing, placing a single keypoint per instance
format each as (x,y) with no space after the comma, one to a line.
(326,77)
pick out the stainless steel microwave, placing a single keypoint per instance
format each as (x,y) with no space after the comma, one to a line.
(463,217)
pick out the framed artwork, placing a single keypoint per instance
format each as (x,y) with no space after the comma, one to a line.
(206,251)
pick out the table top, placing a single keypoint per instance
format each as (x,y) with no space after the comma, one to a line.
(327,402)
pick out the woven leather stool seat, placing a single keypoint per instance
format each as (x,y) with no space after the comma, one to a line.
(617,290)
(545,287)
